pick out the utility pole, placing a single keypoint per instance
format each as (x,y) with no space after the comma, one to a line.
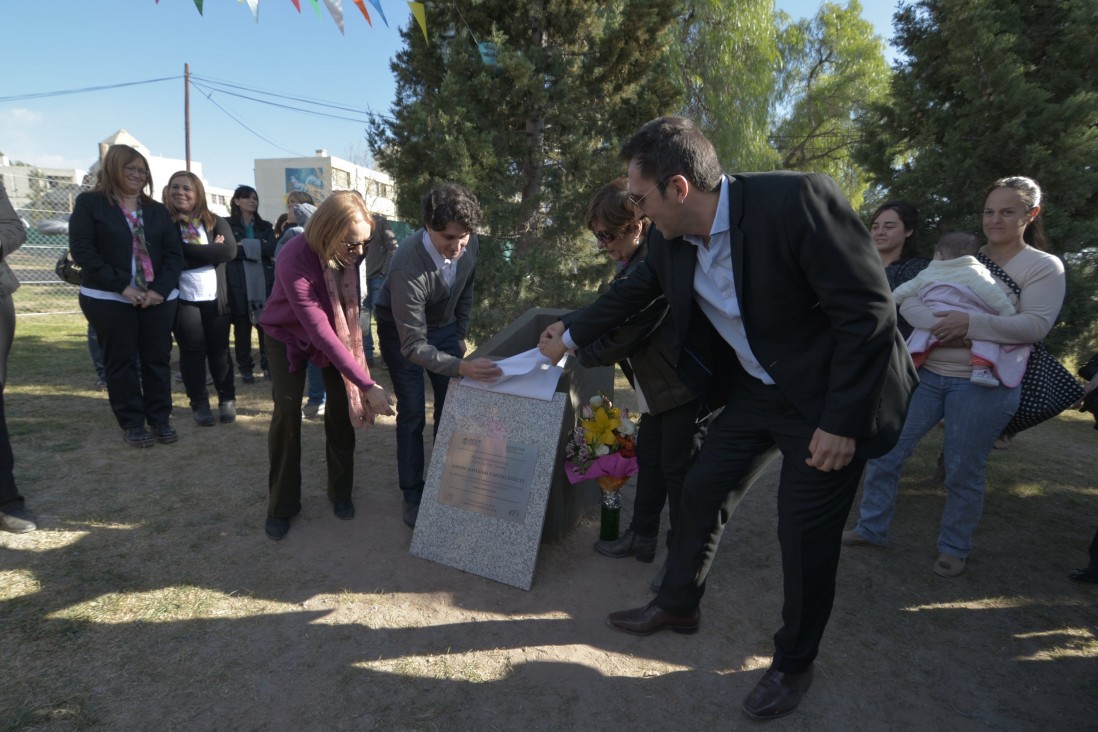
(187,111)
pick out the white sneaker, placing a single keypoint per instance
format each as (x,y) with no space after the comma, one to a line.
(311,410)
(984,377)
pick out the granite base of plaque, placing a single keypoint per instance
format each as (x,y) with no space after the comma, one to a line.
(488,484)
(495,487)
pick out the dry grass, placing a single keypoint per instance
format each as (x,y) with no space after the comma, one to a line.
(150,599)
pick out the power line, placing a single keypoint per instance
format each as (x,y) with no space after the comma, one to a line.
(305,100)
(276,104)
(249,129)
(65,92)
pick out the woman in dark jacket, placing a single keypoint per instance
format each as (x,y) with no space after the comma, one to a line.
(130,254)
(642,348)
(202,322)
(252,234)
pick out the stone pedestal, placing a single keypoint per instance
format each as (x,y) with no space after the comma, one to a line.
(495,488)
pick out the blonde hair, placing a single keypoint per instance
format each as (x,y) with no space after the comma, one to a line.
(200,211)
(111,173)
(327,228)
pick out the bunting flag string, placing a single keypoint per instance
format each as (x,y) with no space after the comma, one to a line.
(254,5)
(420,12)
(377,4)
(335,9)
(365,13)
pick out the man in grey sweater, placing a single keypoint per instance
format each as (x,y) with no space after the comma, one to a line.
(423,311)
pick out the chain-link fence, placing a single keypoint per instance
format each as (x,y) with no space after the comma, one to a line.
(44,201)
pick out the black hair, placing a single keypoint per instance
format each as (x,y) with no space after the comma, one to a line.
(450,202)
(669,146)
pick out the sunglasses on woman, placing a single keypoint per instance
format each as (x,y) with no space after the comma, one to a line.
(606,236)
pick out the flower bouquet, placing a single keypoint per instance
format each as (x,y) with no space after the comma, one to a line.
(602,447)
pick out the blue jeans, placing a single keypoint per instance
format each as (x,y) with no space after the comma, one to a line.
(315,391)
(373,286)
(974,417)
(411,400)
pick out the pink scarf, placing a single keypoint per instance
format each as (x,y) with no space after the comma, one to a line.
(143,272)
(345,311)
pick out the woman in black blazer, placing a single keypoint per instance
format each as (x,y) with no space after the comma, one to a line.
(202,321)
(129,251)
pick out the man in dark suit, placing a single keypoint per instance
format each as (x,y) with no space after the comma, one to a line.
(783,316)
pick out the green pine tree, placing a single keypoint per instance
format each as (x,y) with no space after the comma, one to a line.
(533,134)
(986,89)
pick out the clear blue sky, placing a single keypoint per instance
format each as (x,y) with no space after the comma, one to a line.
(54,45)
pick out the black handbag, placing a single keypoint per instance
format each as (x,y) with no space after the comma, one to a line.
(1047,387)
(68,270)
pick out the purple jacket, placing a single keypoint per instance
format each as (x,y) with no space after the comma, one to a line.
(299,313)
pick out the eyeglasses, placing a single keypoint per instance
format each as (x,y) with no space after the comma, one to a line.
(639,202)
(353,245)
(606,236)
(139,172)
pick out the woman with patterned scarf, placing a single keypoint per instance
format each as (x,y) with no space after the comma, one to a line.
(129,252)
(312,315)
(203,318)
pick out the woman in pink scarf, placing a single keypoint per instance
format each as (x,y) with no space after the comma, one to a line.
(312,315)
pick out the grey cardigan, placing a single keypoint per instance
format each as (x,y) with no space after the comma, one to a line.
(12,236)
(415,298)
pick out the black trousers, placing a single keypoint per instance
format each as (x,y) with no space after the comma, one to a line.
(126,332)
(242,338)
(9,494)
(203,337)
(812,510)
(664,442)
(284,435)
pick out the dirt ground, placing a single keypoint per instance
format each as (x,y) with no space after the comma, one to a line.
(151,599)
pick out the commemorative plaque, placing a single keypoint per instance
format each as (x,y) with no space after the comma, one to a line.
(488,475)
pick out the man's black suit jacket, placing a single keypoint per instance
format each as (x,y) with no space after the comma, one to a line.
(816,308)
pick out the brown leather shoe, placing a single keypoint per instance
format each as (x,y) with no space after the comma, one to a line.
(777,694)
(651,618)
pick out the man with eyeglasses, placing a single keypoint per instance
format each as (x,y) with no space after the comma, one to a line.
(783,316)
(423,311)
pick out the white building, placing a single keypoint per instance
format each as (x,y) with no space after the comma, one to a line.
(50,188)
(55,189)
(319,176)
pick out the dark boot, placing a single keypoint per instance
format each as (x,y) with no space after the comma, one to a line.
(629,543)
(202,414)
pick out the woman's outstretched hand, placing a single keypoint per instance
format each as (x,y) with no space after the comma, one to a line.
(380,401)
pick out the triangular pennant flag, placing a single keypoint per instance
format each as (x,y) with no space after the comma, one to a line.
(335,7)
(316,6)
(420,13)
(377,4)
(297,4)
(198,4)
(361,6)
(254,5)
